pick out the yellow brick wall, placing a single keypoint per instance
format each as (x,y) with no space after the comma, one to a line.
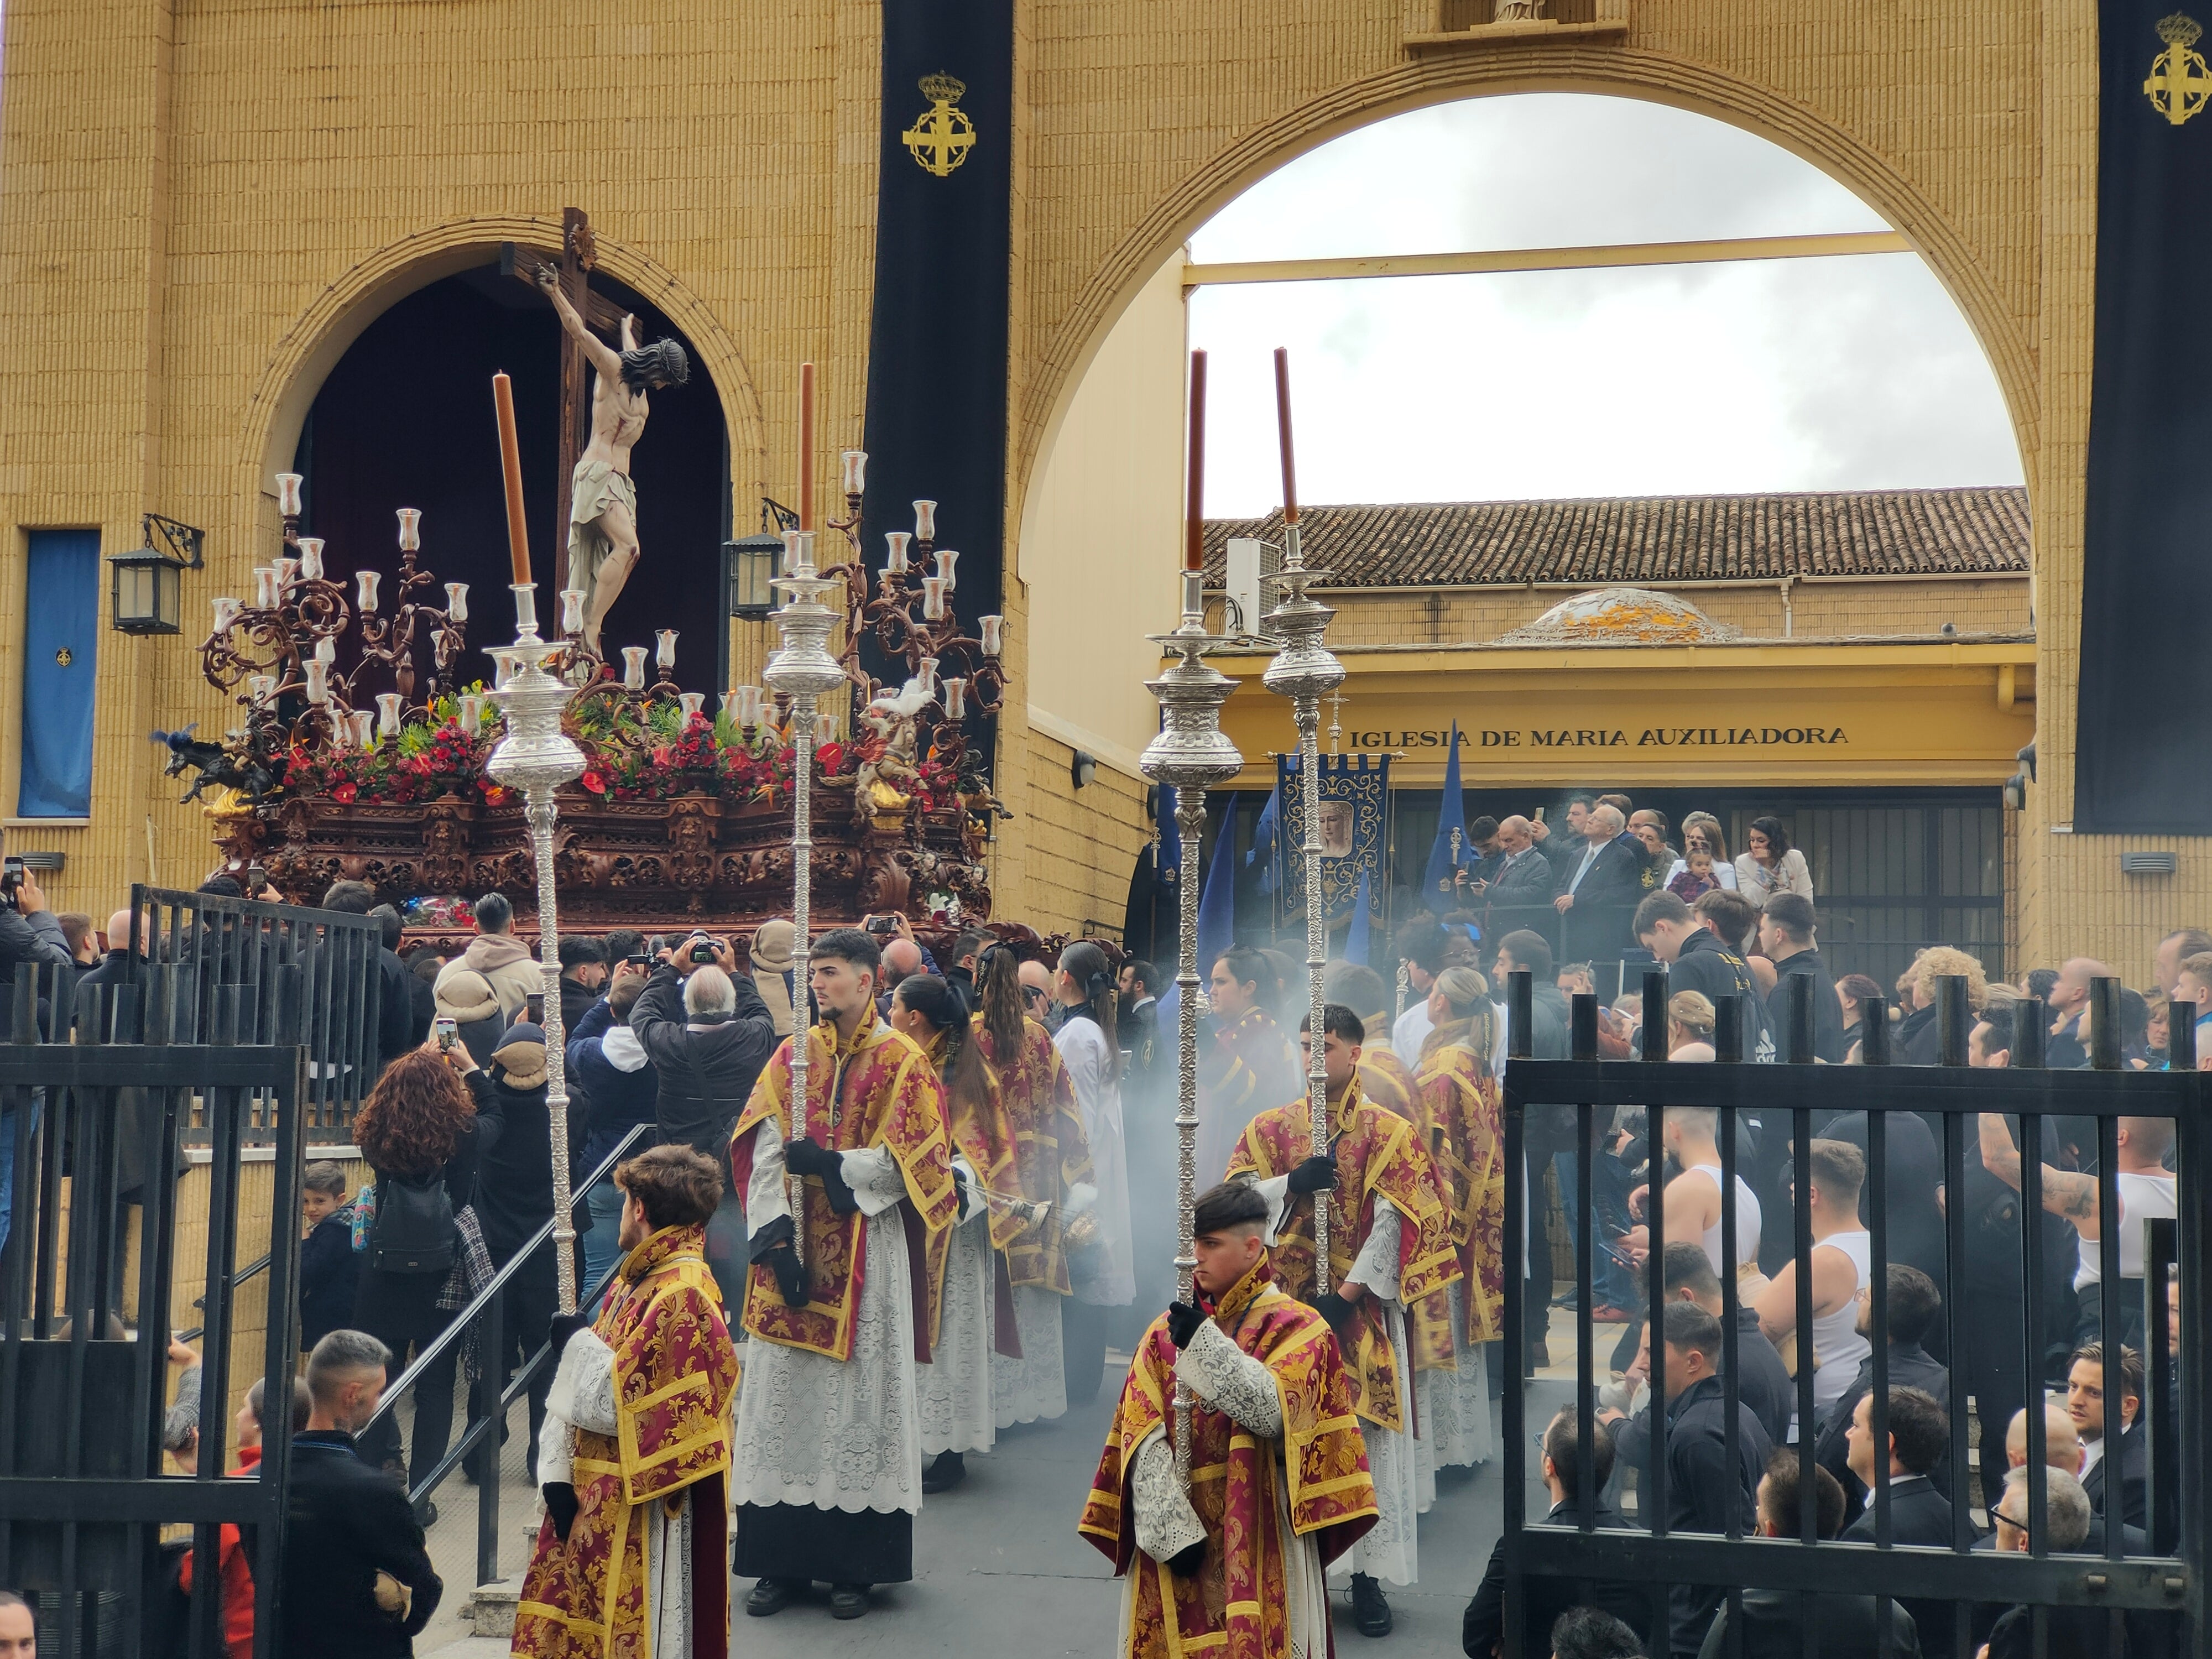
(1076,848)
(199,202)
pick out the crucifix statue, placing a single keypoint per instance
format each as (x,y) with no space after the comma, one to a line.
(600,508)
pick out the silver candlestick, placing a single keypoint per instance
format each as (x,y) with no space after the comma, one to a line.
(802,669)
(1191,753)
(1305,670)
(538,758)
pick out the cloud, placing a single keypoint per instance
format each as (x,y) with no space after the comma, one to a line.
(1787,374)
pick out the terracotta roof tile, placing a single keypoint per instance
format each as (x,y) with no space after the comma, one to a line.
(1655,539)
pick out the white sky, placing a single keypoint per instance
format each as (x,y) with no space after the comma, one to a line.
(1779,374)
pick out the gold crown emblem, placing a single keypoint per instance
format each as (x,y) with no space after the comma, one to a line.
(2178,30)
(943,88)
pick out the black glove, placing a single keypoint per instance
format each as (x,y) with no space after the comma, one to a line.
(790,1274)
(560,1503)
(1317,1174)
(1187,1560)
(1336,1309)
(806,1157)
(1183,1322)
(563,1327)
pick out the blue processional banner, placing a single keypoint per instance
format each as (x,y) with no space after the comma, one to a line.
(1355,793)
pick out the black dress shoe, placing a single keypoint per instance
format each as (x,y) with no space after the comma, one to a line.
(1370,1611)
(847,1600)
(770,1595)
(948,1471)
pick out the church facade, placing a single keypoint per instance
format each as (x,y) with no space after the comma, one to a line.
(206,204)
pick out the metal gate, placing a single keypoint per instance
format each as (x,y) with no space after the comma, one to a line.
(83,1494)
(2170,1584)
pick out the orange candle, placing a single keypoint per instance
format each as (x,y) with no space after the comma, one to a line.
(806,446)
(1193,546)
(1283,434)
(510,460)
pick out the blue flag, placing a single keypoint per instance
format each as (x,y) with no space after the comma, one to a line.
(1443,855)
(1355,939)
(1263,842)
(1169,856)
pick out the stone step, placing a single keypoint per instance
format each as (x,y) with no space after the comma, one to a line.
(491,1607)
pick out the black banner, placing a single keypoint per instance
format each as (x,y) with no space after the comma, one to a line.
(2147,575)
(937,345)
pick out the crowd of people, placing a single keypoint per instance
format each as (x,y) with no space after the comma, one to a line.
(974,1198)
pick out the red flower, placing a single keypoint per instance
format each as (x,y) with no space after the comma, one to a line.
(831,755)
(345,792)
(595,783)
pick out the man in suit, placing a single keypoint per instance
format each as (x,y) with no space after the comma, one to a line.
(1913,1305)
(1482,1631)
(2071,1632)
(1774,1620)
(2122,1493)
(1522,883)
(1599,891)
(1919,1430)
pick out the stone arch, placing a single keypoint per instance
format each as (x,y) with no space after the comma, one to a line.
(319,336)
(1442,77)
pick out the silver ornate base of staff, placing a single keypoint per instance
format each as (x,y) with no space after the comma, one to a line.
(1305,670)
(1190,754)
(802,669)
(537,757)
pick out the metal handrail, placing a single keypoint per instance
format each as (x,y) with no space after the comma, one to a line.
(467,1316)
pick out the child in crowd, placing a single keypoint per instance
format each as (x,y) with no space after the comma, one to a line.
(328,1266)
(1697,880)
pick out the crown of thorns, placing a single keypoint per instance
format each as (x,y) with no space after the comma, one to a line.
(663,361)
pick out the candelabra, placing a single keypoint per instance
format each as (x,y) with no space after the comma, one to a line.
(802,669)
(537,757)
(1191,753)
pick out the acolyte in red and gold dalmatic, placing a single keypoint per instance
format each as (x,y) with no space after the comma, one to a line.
(1459,1097)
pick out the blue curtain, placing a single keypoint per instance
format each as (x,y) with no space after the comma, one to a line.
(61,640)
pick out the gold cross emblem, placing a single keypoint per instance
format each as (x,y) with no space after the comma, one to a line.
(2180,82)
(942,135)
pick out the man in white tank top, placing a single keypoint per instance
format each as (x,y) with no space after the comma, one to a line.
(1842,1252)
(2145,1189)
(1694,1197)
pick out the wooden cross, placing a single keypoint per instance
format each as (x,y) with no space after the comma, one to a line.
(579,254)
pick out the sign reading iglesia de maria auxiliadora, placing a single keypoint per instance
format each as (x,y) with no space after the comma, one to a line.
(1650,737)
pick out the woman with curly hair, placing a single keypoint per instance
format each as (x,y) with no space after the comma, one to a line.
(1919,1035)
(420,1131)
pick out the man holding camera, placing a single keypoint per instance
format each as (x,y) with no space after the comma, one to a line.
(706,1033)
(29,932)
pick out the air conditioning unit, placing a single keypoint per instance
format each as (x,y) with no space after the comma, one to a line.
(2146,864)
(1251,562)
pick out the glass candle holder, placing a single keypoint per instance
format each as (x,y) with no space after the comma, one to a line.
(311,558)
(925,521)
(693,703)
(365,583)
(318,691)
(387,716)
(664,653)
(946,558)
(456,601)
(572,609)
(261,688)
(341,729)
(471,715)
(287,493)
(265,588)
(855,464)
(956,698)
(362,722)
(327,650)
(748,705)
(994,634)
(933,598)
(226,613)
(928,675)
(895,561)
(791,552)
(285,570)
(410,529)
(633,667)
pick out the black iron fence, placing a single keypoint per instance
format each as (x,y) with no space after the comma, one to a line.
(2143,1594)
(212,969)
(90,1128)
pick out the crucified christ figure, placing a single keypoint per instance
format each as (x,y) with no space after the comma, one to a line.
(603,501)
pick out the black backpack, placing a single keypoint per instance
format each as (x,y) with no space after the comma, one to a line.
(413,1232)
